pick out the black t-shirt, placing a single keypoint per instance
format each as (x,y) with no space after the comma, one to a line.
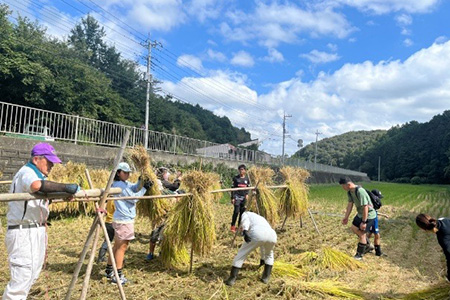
(239,181)
(443,236)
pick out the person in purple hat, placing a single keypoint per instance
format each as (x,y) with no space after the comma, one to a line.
(26,236)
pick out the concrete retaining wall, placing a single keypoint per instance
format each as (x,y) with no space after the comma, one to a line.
(15,152)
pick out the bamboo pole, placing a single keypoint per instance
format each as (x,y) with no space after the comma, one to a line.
(314,222)
(36,196)
(94,224)
(87,275)
(6,182)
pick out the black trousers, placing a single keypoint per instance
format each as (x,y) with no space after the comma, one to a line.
(239,209)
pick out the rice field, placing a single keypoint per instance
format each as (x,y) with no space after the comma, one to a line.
(307,262)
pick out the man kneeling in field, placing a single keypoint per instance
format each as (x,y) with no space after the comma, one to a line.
(365,217)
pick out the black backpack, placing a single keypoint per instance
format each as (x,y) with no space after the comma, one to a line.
(375,197)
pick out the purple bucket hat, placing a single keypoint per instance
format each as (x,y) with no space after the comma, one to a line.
(46,150)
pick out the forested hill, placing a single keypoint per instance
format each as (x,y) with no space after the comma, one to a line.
(342,150)
(414,152)
(88,77)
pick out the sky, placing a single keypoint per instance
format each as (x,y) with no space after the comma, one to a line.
(329,66)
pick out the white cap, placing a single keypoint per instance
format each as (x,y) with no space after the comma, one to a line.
(124,167)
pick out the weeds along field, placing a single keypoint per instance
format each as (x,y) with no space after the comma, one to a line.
(414,261)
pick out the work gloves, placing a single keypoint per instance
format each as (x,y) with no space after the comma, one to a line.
(247,238)
(56,187)
(148,184)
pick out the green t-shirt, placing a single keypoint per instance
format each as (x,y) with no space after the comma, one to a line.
(362,199)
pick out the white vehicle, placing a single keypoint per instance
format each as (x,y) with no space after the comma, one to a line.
(39,131)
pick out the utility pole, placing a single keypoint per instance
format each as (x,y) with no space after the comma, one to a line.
(379,168)
(150,44)
(315,151)
(284,135)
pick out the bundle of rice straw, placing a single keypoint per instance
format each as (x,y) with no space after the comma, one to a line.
(191,221)
(439,291)
(294,289)
(283,269)
(308,257)
(294,199)
(337,260)
(265,204)
(154,209)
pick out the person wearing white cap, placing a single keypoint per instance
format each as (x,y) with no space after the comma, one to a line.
(123,218)
(26,238)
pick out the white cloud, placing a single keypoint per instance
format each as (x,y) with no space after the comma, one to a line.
(394,91)
(274,56)
(216,55)
(317,57)
(441,39)
(204,9)
(408,42)
(190,61)
(243,59)
(272,24)
(332,47)
(387,6)
(404,20)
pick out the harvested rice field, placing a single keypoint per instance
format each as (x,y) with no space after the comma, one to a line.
(308,265)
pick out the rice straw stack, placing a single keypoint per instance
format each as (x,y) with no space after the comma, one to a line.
(191,221)
(440,291)
(283,269)
(294,199)
(154,209)
(337,260)
(328,289)
(265,204)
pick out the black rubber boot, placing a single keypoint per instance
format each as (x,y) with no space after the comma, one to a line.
(378,251)
(360,251)
(261,263)
(266,274)
(233,275)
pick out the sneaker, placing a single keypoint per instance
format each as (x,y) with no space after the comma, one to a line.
(123,280)
(109,274)
(233,229)
(149,256)
(358,256)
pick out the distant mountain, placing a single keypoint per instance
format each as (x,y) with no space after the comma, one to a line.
(342,150)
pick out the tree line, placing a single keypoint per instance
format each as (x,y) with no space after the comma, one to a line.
(410,153)
(85,76)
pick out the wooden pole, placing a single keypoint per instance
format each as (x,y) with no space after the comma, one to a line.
(6,182)
(96,220)
(87,275)
(314,221)
(36,196)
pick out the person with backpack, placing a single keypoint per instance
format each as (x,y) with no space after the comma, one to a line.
(376,197)
(365,217)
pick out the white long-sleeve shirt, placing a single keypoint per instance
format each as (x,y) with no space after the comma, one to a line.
(257,227)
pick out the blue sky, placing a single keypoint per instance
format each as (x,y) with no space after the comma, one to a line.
(334,65)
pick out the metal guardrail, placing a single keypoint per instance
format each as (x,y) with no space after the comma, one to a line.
(22,121)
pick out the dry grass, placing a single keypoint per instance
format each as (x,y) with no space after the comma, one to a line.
(392,277)
(439,291)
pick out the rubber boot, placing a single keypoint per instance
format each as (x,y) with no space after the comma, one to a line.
(261,263)
(378,251)
(360,251)
(266,274)
(233,275)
